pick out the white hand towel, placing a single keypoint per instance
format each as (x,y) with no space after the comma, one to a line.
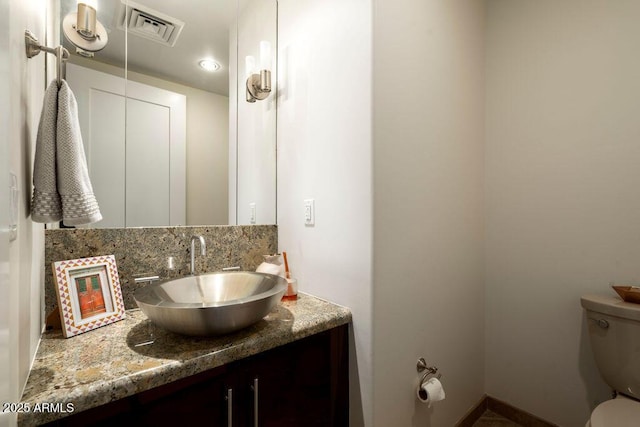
(45,204)
(79,205)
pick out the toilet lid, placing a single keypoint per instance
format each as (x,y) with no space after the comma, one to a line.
(619,412)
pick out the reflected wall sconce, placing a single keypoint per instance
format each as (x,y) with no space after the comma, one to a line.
(83,29)
(259,84)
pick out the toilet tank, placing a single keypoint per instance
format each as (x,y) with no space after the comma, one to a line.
(614,330)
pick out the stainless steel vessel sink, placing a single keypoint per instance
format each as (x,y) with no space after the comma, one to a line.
(211,304)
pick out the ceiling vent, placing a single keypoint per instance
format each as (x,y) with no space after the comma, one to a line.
(150,24)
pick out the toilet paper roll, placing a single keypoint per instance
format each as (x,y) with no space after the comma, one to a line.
(430,391)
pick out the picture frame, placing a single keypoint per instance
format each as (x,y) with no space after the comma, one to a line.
(89,294)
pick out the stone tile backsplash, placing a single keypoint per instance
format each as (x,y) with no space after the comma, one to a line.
(141,252)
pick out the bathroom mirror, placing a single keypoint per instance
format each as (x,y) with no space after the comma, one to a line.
(167,141)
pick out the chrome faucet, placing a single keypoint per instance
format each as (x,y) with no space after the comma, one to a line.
(203,251)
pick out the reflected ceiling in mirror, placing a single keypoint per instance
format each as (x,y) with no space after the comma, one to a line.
(166,39)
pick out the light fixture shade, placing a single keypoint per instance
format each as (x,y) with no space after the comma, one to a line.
(265,55)
(81,40)
(90,3)
(86,21)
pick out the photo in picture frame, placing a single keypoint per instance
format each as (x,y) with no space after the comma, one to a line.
(89,294)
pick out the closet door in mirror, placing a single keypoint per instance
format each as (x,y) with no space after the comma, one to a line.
(137,165)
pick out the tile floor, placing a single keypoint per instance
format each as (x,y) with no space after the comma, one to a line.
(491,419)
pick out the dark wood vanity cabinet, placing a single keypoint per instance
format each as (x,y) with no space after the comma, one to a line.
(304,383)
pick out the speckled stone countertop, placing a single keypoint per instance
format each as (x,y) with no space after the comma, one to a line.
(109,363)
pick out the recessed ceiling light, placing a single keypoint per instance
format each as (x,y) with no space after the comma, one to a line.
(209,65)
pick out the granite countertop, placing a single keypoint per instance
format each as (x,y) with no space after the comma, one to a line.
(133,355)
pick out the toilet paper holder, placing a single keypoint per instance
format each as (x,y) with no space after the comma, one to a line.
(428,370)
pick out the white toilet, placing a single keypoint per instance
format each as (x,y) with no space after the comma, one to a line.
(614,330)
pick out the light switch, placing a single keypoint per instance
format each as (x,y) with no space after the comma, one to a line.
(309,212)
(252,213)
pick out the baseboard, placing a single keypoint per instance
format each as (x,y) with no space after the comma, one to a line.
(474,413)
(517,415)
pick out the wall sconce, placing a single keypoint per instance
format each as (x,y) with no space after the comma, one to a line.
(259,85)
(84,30)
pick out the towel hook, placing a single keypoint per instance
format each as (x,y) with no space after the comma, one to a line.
(33,48)
(60,63)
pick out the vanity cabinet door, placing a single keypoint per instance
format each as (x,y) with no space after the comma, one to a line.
(198,401)
(304,383)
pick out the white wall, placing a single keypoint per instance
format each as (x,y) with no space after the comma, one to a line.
(324,153)
(562,192)
(24,271)
(428,211)
(207,158)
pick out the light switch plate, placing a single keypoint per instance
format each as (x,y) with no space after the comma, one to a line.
(13,202)
(309,212)
(252,213)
